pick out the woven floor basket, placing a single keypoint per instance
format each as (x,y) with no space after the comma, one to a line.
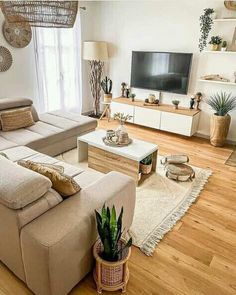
(110,276)
(145,169)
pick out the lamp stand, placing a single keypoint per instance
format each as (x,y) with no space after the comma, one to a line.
(95,77)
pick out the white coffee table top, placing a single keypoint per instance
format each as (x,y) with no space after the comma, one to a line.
(136,151)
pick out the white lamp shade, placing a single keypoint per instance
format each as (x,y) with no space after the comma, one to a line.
(95,50)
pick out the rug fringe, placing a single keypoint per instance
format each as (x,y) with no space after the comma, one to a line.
(156,236)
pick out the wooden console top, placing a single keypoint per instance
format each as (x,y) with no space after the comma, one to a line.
(163,107)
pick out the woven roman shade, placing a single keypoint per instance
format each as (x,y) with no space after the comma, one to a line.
(57,14)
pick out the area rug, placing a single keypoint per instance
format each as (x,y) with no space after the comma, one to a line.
(160,203)
(231,161)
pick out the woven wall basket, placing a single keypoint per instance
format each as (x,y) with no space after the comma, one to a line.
(230,5)
(58,14)
(5,59)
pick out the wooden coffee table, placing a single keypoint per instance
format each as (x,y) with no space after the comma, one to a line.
(122,159)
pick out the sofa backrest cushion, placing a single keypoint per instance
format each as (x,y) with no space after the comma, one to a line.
(16,119)
(20,186)
(12,103)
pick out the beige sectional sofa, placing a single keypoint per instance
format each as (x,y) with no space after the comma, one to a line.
(45,240)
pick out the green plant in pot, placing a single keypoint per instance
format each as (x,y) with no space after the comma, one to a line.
(215,42)
(132,96)
(107,87)
(206,22)
(176,102)
(222,103)
(111,251)
(146,165)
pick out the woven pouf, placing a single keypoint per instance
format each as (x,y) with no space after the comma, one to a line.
(179,172)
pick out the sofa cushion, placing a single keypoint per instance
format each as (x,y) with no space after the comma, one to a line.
(16,119)
(21,136)
(28,185)
(6,144)
(19,152)
(38,207)
(10,103)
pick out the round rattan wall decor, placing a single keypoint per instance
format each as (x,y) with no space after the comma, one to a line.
(5,59)
(17,34)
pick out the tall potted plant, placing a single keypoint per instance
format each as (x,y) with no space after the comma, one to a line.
(222,104)
(206,21)
(107,87)
(111,252)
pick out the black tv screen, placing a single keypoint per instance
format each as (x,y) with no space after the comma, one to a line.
(162,71)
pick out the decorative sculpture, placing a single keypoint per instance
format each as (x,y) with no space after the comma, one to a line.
(192,102)
(198,99)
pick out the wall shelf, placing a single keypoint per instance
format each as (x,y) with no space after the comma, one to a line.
(219,52)
(217,82)
(220,20)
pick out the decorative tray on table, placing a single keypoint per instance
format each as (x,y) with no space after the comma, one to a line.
(116,143)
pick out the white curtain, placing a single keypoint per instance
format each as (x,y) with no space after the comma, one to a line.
(58,68)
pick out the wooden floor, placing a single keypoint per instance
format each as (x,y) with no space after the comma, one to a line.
(199,255)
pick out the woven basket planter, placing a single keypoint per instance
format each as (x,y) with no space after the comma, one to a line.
(219,129)
(110,276)
(145,169)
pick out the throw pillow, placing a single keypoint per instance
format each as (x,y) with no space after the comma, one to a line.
(16,119)
(65,185)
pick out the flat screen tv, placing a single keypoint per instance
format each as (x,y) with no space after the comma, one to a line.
(162,71)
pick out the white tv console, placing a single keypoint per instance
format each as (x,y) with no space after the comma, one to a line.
(164,117)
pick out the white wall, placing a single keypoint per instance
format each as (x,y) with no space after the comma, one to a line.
(20,79)
(164,26)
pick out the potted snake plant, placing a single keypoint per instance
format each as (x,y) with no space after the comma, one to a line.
(111,252)
(222,104)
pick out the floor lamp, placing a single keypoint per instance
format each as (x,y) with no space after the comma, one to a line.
(96,53)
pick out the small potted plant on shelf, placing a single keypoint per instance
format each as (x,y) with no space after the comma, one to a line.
(132,96)
(224,46)
(146,165)
(206,21)
(222,104)
(215,42)
(176,102)
(111,252)
(107,87)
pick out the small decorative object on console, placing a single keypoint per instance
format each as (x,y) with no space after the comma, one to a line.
(132,96)
(107,87)
(192,102)
(176,102)
(198,99)
(127,92)
(215,42)
(224,46)
(111,252)
(123,86)
(151,98)
(146,165)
